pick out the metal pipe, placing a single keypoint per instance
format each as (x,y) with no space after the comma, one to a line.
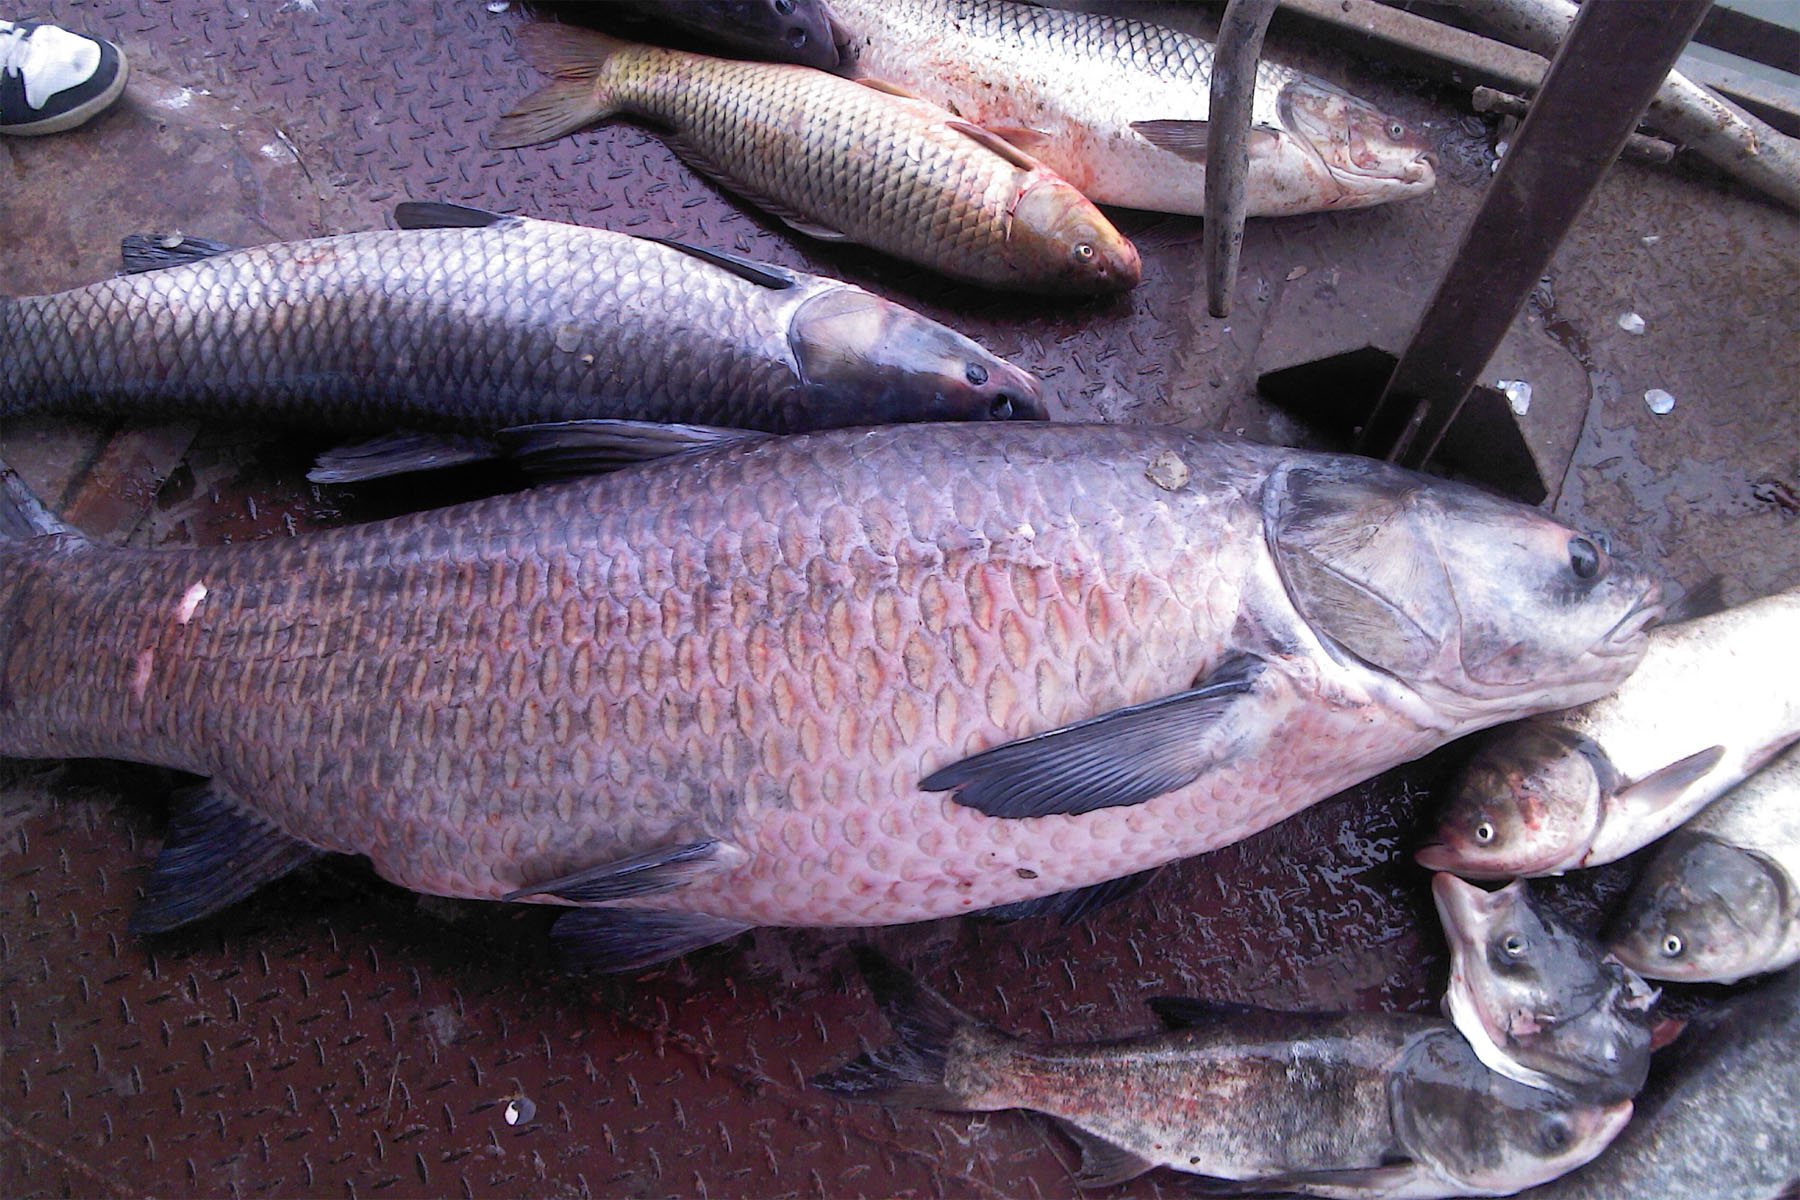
(1228,114)
(1706,123)
(1608,68)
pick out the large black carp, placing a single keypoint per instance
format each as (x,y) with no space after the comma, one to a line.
(850,678)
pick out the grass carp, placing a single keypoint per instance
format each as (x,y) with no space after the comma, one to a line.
(1720,1120)
(850,678)
(1714,699)
(1119,107)
(468,321)
(836,160)
(1536,1001)
(1359,1105)
(1721,900)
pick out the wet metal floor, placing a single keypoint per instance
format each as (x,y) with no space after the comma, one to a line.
(336,1036)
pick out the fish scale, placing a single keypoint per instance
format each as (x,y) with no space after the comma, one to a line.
(766,648)
(473,329)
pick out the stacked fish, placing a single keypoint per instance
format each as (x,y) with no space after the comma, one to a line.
(827,658)
(1691,743)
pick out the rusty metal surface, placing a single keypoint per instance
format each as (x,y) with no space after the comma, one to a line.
(336,1036)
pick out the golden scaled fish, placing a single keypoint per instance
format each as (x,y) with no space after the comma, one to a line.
(852,678)
(836,160)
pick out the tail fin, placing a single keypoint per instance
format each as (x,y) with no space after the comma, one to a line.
(576,60)
(929,1032)
(23,515)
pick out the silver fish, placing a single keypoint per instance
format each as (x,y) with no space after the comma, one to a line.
(1361,1105)
(1721,900)
(1536,1001)
(467,321)
(1119,107)
(1720,1120)
(850,678)
(1714,699)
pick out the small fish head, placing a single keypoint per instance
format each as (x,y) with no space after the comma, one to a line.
(867,361)
(1057,238)
(1528,803)
(1489,1134)
(1544,998)
(1703,911)
(1369,153)
(796,31)
(1482,608)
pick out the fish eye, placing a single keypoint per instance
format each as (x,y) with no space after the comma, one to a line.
(784,7)
(1554,1136)
(1002,409)
(1484,832)
(1515,944)
(1396,130)
(1584,558)
(1672,945)
(1084,252)
(975,373)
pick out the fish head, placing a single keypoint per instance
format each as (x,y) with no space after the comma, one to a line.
(1538,1001)
(1480,607)
(1704,911)
(796,31)
(1370,154)
(1491,1135)
(867,361)
(1529,802)
(1056,235)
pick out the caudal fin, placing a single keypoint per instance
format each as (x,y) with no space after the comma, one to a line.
(578,94)
(928,1032)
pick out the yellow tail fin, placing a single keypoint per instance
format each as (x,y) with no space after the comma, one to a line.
(576,59)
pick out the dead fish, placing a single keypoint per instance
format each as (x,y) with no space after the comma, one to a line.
(795,31)
(836,160)
(849,678)
(1713,699)
(1721,900)
(1720,1119)
(465,321)
(1538,1002)
(1348,1105)
(1119,107)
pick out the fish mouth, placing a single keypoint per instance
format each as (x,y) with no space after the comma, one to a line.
(1627,637)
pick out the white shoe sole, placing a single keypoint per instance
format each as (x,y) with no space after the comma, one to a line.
(75,116)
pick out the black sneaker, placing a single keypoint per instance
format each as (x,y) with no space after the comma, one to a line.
(52,80)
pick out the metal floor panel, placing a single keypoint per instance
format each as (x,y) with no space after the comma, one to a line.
(336,1036)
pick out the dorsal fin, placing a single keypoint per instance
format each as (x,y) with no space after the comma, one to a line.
(436,214)
(140,252)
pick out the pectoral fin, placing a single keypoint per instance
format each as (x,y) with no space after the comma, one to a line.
(644,874)
(1028,140)
(1639,814)
(1191,139)
(217,851)
(398,454)
(1122,757)
(889,88)
(766,274)
(1102,1163)
(997,144)
(628,939)
(559,449)
(697,158)
(438,214)
(1075,904)
(1397,1179)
